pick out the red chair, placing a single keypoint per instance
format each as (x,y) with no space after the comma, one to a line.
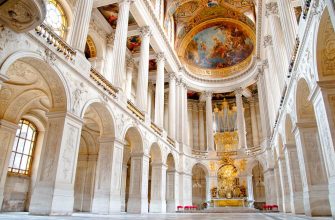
(179,207)
(194,207)
(274,207)
(187,207)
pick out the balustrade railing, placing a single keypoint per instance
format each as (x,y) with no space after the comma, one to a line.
(136,111)
(156,128)
(103,82)
(52,38)
(199,153)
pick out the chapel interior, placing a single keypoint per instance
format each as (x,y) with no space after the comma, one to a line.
(167,106)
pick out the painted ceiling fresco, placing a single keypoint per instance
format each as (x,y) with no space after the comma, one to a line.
(218,46)
(212,35)
(111,12)
(134,44)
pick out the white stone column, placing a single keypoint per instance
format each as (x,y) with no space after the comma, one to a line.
(269,180)
(202,127)
(294,179)
(7,137)
(108,184)
(324,113)
(195,125)
(129,76)
(81,23)
(178,112)
(185,185)
(263,107)
(108,69)
(289,23)
(254,126)
(250,190)
(166,114)
(138,188)
(120,43)
(172,105)
(277,185)
(158,188)
(149,104)
(143,69)
(281,56)
(159,95)
(209,122)
(184,109)
(284,184)
(172,180)
(53,192)
(240,120)
(190,124)
(123,187)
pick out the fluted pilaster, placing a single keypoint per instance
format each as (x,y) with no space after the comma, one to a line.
(159,96)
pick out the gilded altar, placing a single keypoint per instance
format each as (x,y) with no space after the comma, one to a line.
(238,202)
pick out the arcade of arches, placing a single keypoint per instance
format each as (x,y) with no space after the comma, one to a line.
(141,106)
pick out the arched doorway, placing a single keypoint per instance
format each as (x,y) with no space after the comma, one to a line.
(135,181)
(198,185)
(97,147)
(293,171)
(258,185)
(157,181)
(171,184)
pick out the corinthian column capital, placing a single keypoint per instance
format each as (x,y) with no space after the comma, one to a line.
(160,57)
(145,31)
(271,8)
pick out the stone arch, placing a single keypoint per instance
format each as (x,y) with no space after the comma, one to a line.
(258,180)
(200,187)
(304,109)
(252,163)
(102,115)
(324,48)
(31,79)
(203,166)
(156,153)
(170,162)
(135,139)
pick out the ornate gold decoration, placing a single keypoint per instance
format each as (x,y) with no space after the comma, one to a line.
(226,141)
(228,182)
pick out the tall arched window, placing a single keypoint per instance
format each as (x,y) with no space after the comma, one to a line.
(56,18)
(21,157)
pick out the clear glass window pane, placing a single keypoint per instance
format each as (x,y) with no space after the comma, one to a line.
(20,160)
(55,18)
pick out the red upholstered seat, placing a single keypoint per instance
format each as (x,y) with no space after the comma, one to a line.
(179,207)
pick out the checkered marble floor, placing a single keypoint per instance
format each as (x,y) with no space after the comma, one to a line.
(194,216)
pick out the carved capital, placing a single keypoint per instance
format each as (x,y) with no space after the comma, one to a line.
(130,62)
(271,9)
(267,41)
(207,94)
(110,39)
(160,57)
(172,76)
(145,31)
(238,92)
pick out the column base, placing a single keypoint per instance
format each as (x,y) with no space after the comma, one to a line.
(331,195)
(316,201)
(287,204)
(157,206)
(49,201)
(1,198)
(137,205)
(171,206)
(297,203)
(104,203)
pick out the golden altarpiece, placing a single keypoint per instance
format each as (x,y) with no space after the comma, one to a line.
(230,191)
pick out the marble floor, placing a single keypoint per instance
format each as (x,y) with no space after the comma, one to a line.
(199,216)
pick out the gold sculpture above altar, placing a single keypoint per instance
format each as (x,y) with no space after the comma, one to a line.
(226,141)
(228,181)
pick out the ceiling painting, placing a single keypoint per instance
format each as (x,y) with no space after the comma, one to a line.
(111,12)
(217,48)
(134,44)
(152,65)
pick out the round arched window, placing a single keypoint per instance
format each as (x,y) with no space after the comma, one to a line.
(56,18)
